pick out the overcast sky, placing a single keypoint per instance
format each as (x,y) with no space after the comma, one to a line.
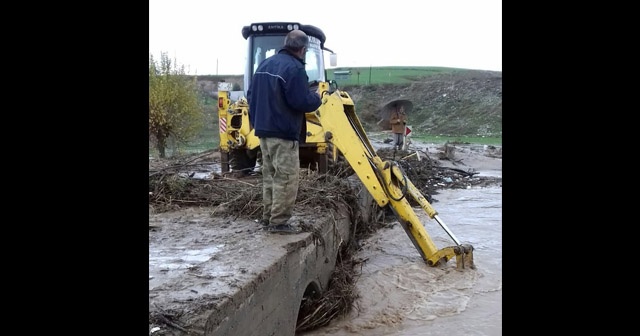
(205,35)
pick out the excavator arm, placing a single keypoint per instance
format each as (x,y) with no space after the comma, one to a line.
(384,180)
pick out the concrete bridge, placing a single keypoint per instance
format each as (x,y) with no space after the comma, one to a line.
(211,275)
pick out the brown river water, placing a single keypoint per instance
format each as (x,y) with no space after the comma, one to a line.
(401,295)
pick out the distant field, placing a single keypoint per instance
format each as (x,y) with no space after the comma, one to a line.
(384,75)
(359,75)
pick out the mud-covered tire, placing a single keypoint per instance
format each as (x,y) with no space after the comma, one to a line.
(243,160)
(338,166)
(224,161)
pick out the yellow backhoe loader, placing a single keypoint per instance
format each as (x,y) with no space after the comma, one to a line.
(336,140)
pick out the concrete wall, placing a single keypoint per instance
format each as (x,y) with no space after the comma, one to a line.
(270,306)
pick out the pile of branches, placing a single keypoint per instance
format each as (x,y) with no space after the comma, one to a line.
(340,297)
(428,175)
(170,190)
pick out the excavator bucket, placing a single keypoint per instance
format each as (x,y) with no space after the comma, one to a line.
(464,257)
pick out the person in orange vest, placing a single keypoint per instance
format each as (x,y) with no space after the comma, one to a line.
(398,120)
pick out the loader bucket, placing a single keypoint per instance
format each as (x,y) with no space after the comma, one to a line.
(464,257)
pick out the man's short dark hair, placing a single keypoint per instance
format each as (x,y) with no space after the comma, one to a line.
(296,40)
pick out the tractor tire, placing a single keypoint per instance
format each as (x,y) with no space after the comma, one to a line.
(224,161)
(243,160)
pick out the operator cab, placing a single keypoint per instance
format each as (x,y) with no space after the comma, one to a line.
(265,39)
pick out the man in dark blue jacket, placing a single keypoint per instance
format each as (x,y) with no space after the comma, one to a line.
(279,97)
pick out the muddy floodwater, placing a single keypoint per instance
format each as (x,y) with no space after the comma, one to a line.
(401,295)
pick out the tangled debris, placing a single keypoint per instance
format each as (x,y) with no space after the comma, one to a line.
(340,297)
(428,175)
(242,197)
(172,186)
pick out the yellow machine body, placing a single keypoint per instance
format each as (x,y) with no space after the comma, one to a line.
(334,135)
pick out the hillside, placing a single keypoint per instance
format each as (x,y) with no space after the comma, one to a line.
(457,103)
(465,103)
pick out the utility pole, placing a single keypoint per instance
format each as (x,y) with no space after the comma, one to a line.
(216,66)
